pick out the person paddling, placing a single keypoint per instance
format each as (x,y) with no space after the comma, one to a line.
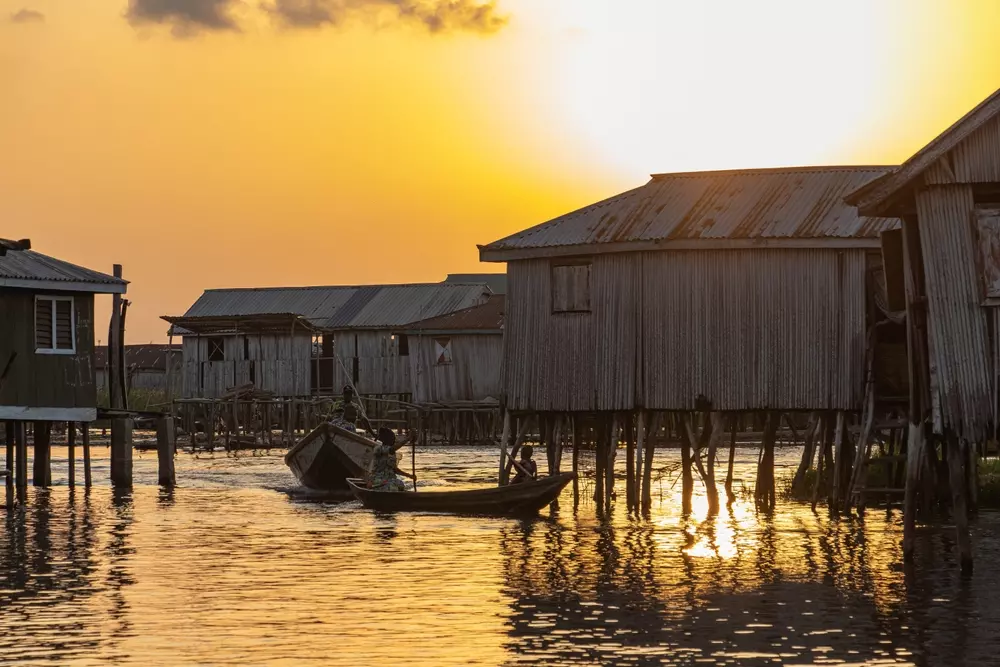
(383,477)
(526,468)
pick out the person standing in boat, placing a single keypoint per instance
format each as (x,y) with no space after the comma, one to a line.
(346,412)
(383,477)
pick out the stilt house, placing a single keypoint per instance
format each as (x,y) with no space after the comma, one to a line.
(309,341)
(47,370)
(456,358)
(153,367)
(744,290)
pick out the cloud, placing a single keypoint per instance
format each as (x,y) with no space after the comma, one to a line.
(437,16)
(185,16)
(27,16)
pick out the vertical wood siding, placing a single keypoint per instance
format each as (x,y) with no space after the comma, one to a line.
(958,340)
(746,329)
(473,375)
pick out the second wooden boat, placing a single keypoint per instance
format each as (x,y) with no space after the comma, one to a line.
(514,500)
(328,455)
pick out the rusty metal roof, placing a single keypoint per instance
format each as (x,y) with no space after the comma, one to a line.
(497,282)
(341,307)
(30,269)
(750,204)
(486,318)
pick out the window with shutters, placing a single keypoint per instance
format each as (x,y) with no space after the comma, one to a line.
(55,325)
(571,287)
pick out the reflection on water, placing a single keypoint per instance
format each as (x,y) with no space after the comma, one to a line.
(233,568)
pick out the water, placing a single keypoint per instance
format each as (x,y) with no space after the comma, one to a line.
(234,568)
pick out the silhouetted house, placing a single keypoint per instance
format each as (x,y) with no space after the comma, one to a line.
(457,357)
(155,367)
(308,341)
(746,288)
(946,277)
(47,368)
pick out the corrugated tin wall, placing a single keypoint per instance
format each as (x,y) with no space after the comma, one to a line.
(747,329)
(754,329)
(958,338)
(473,375)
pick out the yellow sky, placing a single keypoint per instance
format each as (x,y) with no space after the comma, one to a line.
(378,150)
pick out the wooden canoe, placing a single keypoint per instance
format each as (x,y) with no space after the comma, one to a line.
(327,456)
(514,500)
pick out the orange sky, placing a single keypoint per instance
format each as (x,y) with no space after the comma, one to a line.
(246,149)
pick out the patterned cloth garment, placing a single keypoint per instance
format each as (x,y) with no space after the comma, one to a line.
(384,470)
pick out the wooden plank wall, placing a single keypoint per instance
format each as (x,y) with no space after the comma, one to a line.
(473,375)
(46,380)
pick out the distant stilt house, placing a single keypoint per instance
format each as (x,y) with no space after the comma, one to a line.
(306,343)
(731,292)
(497,282)
(151,367)
(944,284)
(455,364)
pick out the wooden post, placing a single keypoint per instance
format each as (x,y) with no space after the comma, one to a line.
(808,454)
(576,430)
(718,428)
(22,460)
(121,452)
(765,491)
(825,429)
(557,435)
(522,431)
(42,464)
(166,445)
(9,463)
(609,469)
(957,461)
(601,458)
(730,496)
(115,390)
(71,453)
(838,461)
(503,447)
(687,479)
(640,450)
(86,455)
(647,465)
(631,498)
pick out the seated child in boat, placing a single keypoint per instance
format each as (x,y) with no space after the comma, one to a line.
(383,476)
(526,468)
(346,411)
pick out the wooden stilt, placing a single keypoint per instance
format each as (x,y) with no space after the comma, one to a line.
(601,458)
(71,453)
(824,435)
(972,477)
(9,463)
(577,434)
(838,461)
(718,428)
(808,453)
(640,450)
(20,432)
(612,454)
(557,444)
(765,491)
(957,461)
(687,478)
(166,445)
(630,490)
(647,465)
(121,453)
(42,464)
(914,455)
(730,495)
(86,455)
(522,431)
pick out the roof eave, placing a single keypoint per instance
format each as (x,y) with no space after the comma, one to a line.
(64,286)
(491,254)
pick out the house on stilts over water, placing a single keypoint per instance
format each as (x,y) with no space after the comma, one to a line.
(278,355)
(47,371)
(943,285)
(455,362)
(704,297)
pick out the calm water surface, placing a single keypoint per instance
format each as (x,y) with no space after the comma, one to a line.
(233,567)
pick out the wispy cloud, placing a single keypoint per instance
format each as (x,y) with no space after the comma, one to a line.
(437,16)
(27,16)
(186,17)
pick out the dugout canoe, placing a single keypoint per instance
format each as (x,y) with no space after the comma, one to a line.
(327,456)
(514,500)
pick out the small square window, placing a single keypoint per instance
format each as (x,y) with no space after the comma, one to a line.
(442,351)
(216,349)
(571,288)
(55,325)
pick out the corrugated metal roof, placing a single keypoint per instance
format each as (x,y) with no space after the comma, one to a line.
(342,307)
(487,317)
(31,265)
(794,203)
(149,357)
(497,282)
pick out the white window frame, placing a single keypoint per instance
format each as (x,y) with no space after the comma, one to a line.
(72,324)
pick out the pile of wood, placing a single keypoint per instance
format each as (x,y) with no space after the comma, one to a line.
(247,392)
